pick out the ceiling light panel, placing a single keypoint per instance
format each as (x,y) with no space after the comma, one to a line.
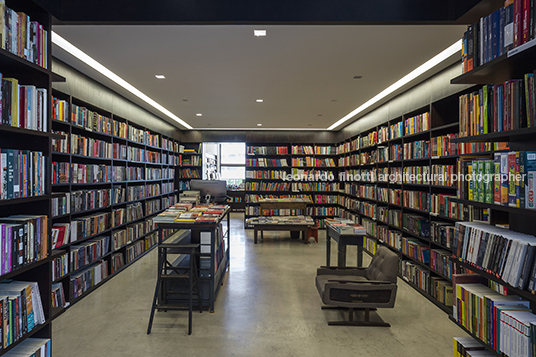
(259,33)
(445,54)
(82,56)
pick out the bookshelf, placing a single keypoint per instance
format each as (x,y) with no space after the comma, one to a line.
(112,177)
(236,200)
(24,174)
(191,165)
(293,170)
(497,81)
(384,190)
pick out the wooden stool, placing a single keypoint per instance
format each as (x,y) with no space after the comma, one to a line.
(312,232)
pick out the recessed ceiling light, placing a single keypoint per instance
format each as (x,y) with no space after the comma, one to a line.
(358,77)
(259,124)
(160,76)
(84,57)
(199,114)
(260,100)
(434,61)
(259,33)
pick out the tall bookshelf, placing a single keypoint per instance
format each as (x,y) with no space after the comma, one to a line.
(508,67)
(191,165)
(289,170)
(409,216)
(27,144)
(132,179)
(267,166)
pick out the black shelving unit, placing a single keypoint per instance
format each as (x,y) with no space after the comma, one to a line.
(141,165)
(19,137)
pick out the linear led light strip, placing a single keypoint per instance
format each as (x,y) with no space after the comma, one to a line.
(455,48)
(73,50)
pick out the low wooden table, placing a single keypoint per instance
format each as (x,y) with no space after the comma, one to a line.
(282,227)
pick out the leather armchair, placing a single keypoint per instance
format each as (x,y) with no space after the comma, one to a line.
(360,288)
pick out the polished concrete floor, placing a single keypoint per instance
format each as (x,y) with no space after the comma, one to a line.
(268,306)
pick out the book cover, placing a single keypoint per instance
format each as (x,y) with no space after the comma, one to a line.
(529,178)
(497,181)
(505,184)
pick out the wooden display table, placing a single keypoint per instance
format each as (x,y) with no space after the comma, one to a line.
(282,227)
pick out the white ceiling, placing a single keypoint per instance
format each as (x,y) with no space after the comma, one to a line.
(304,73)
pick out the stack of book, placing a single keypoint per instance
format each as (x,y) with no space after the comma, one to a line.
(191,197)
(186,213)
(282,220)
(345,226)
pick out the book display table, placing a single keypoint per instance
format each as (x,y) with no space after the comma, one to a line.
(281,223)
(214,240)
(343,237)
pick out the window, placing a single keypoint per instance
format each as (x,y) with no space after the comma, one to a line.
(233,164)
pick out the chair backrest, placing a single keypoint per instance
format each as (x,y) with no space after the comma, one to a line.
(384,266)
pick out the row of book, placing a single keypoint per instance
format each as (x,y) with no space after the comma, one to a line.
(506,180)
(503,322)
(506,254)
(22,310)
(331,199)
(265,162)
(60,266)
(499,107)
(507,28)
(23,106)
(89,277)
(469,347)
(23,37)
(267,150)
(267,186)
(419,149)
(191,161)
(250,198)
(134,231)
(189,173)
(266,174)
(322,211)
(312,162)
(317,186)
(58,295)
(92,120)
(89,251)
(22,173)
(309,175)
(418,123)
(24,240)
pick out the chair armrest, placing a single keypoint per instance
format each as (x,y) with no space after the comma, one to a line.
(342,268)
(341,271)
(359,282)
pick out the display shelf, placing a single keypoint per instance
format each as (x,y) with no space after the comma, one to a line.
(488,347)
(523,293)
(516,210)
(517,135)
(513,64)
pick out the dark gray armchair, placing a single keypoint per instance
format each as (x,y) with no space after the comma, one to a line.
(360,288)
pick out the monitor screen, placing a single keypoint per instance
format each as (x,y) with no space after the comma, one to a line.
(217,189)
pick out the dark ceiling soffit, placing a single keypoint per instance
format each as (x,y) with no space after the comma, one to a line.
(262,12)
